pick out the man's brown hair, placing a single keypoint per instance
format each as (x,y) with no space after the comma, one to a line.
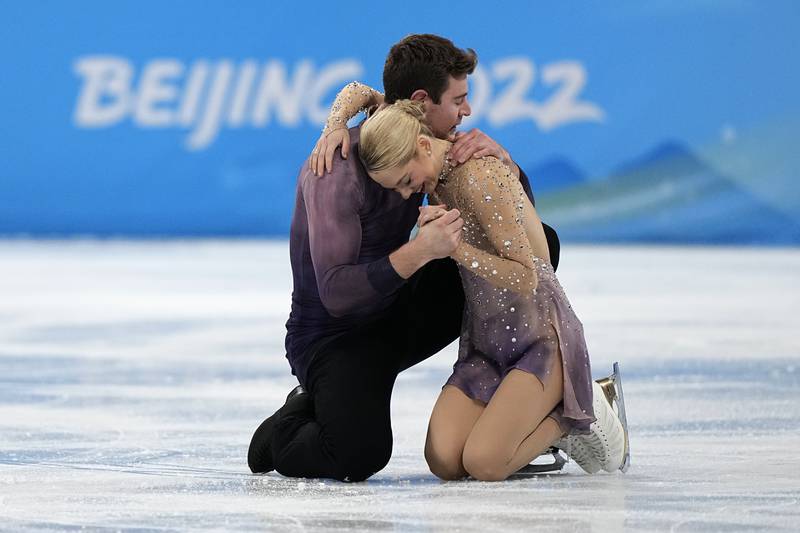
(424,61)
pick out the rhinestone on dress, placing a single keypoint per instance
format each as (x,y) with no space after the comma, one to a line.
(447,167)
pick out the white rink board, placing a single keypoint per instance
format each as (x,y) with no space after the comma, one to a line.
(132,375)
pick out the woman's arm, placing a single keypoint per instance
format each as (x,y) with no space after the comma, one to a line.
(498,206)
(354,98)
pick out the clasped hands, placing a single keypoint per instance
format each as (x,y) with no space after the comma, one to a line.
(439,230)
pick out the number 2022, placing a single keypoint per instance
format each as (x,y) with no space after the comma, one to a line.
(563,106)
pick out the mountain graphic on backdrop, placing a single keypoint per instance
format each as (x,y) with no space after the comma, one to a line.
(667,195)
(554,173)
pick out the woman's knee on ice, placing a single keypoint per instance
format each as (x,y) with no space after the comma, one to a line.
(444,459)
(485,462)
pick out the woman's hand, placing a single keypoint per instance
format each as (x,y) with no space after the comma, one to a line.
(322,155)
(429,213)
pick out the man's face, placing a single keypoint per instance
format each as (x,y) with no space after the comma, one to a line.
(443,118)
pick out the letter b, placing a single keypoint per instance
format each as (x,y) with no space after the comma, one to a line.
(105,95)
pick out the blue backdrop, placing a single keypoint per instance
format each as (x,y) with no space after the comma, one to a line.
(653,121)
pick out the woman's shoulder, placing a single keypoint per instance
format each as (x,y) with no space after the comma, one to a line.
(477,174)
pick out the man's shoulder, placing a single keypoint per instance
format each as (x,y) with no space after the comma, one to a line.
(344,184)
(355,133)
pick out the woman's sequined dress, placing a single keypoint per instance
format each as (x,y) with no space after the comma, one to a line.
(516,314)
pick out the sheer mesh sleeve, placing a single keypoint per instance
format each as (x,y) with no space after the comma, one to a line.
(354,98)
(495,198)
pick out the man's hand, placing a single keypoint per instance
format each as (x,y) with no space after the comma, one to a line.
(321,157)
(476,144)
(436,239)
(440,237)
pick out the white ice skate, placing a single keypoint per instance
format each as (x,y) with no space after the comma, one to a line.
(579,452)
(612,389)
(607,446)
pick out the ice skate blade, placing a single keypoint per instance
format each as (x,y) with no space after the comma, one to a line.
(556,466)
(612,388)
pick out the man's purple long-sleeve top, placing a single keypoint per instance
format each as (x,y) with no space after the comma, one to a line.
(343,229)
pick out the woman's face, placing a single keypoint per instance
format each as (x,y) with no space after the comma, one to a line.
(416,176)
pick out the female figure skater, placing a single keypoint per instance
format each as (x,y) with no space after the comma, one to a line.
(522,381)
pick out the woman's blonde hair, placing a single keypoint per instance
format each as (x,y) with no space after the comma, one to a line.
(389,138)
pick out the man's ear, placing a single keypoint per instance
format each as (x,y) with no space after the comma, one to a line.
(419,95)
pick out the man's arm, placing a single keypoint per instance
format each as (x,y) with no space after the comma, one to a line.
(435,240)
(334,231)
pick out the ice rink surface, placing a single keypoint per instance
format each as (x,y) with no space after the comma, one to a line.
(133,374)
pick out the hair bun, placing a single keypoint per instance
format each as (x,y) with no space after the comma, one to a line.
(388,138)
(412,107)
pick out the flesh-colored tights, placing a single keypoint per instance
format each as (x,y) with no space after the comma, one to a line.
(492,441)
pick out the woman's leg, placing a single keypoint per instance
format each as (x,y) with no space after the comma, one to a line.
(514,428)
(452,420)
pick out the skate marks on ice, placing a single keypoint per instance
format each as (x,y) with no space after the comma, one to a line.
(696,461)
(132,376)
